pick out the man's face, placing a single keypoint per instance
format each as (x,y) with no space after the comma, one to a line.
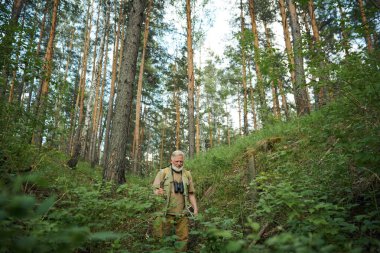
(177,161)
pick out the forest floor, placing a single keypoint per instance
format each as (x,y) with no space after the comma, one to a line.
(308,185)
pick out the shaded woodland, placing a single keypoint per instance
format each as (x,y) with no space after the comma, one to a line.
(94,98)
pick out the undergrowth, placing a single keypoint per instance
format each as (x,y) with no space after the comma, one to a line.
(308,185)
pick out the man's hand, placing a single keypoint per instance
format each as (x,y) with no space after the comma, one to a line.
(159,191)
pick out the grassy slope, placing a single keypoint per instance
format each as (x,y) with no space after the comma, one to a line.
(316,189)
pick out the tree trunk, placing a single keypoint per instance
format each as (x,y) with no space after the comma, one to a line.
(190,76)
(163,136)
(260,84)
(252,98)
(210,144)
(114,170)
(42,31)
(275,102)
(228,126)
(239,110)
(300,90)
(139,90)
(178,121)
(6,47)
(284,104)
(113,80)
(288,45)
(198,126)
(92,92)
(100,83)
(47,69)
(72,163)
(367,34)
(321,91)
(99,116)
(244,73)
(14,71)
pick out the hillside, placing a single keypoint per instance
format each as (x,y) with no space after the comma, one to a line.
(309,185)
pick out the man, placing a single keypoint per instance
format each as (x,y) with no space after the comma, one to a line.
(176,185)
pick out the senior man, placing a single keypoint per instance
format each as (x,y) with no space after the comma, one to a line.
(176,185)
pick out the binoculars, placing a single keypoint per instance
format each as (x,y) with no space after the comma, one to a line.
(178,187)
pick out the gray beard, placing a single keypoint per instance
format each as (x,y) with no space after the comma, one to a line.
(177,169)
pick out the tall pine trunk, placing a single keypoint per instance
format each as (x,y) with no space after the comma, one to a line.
(367,34)
(100,83)
(300,90)
(76,143)
(88,125)
(198,126)
(6,47)
(178,120)
(288,45)
(114,169)
(116,56)
(260,83)
(41,35)
(321,89)
(139,91)
(244,71)
(190,76)
(275,102)
(47,69)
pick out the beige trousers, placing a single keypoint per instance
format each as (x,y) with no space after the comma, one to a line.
(163,226)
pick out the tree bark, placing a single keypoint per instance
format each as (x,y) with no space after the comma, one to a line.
(163,136)
(100,83)
(260,83)
(252,98)
(244,72)
(75,153)
(97,137)
(367,34)
(284,104)
(42,31)
(190,76)
(114,170)
(321,90)
(6,47)
(14,71)
(178,121)
(275,102)
(139,91)
(92,92)
(113,81)
(47,69)
(300,90)
(288,45)
(198,126)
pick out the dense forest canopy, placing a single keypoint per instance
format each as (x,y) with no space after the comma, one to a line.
(121,84)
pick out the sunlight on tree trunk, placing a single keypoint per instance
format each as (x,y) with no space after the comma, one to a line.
(367,34)
(190,76)
(41,106)
(136,136)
